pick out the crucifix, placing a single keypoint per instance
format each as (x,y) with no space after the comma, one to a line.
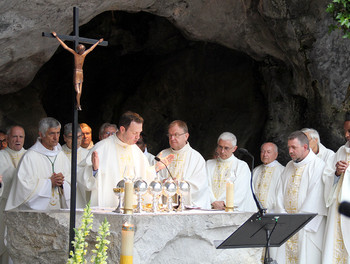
(79,52)
(79,56)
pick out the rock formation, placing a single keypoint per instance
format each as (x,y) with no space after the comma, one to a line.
(298,72)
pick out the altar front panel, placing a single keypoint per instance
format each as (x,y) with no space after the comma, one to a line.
(186,237)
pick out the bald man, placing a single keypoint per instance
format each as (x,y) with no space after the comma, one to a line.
(267,175)
(9,160)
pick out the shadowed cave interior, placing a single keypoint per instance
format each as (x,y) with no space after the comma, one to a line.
(151,68)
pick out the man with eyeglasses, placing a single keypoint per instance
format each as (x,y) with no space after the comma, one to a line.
(228,167)
(9,160)
(82,195)
(3,140)
(188,164)
(107,130)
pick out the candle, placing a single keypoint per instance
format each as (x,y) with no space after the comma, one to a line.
(127,244)
(129,197)
(229,196)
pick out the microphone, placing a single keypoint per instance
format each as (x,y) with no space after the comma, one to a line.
(158,159)
(261,209)
(344,208)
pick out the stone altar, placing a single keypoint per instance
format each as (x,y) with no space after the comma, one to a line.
(186,237)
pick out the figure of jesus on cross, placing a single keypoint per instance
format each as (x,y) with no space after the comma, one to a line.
(79,58)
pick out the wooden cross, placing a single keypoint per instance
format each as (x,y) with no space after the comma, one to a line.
(76,39)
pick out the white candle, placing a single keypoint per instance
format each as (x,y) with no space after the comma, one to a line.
(127,244)
(129,197)
(229,194)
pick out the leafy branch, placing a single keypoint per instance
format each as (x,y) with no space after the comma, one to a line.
(340,10)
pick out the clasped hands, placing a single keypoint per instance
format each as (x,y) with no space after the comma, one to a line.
(57,179)
(341,167)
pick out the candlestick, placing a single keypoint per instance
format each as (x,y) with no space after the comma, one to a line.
(127,244)
(129,197)
(229,196)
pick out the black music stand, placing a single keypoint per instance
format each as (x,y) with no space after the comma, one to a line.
(269,230)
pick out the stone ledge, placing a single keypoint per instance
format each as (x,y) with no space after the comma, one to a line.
(42,237)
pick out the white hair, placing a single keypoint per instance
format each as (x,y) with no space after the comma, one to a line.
(68,128)
(312,133)
(227,136)
(46,123)
(104,126)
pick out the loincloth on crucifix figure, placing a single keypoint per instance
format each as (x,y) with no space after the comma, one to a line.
(79,58)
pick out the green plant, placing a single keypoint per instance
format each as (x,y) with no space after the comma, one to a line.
(80,245)
(340,10)
(100,253)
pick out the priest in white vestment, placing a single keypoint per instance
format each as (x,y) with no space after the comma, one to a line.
(336,177)
(106,130)
(188,164)
(316,146)
(42,180)
(267,175)
(228,167)
(86,142)
(82,196)
(9,159)
(301,191)
(142,144)
(113,159)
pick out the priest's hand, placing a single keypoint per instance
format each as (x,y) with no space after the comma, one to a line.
(341,167)
(57,179)
(95,161)
(164,161)
(218,205)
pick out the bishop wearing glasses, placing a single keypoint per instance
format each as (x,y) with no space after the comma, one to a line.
(227,167)
(188,164)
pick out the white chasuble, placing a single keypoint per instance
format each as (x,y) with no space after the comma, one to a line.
(82,196)
(219,171)
(81,153)
(189,165)
(265,181)
(9,160)
(300,190)
(116,160)
(337,189)
(324,153)
(32,187)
